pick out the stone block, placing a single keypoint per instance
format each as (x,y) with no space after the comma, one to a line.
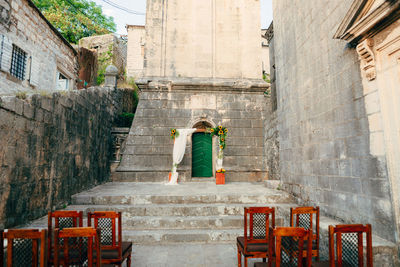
(346,184)
(28,111)
(357,146)
(8,103)
(19,106)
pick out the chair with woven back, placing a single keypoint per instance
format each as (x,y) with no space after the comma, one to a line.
(258,222)
(59,220)
(288,246)
(304,217)
(114,250)
(349,246)
(78,246)
(25,247)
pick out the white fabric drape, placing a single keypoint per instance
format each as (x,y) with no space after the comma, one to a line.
(179,152)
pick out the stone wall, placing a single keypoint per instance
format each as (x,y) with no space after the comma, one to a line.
(148,152)
(47,52)
(271,141)
(110,48)
(135,59)
(53,146)
(209,39)
(324,137)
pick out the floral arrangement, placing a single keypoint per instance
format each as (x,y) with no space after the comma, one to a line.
(221,132)
(221,171)
(174,133)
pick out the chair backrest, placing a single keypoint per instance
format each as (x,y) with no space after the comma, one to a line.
(349,245)
(80,245)
(304,217)
(287,244)
(257,224)
(61,219)
(25,247)
(110,225)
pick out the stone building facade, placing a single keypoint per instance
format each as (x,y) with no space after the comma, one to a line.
(34,55)
(203,39)
(202,69)
(338,126)
(135,56)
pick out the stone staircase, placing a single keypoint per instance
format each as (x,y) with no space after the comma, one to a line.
(154,213)
(198,218)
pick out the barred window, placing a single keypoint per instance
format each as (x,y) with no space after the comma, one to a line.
(18,63)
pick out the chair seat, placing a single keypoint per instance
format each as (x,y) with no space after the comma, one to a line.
(253,247)
(113,254)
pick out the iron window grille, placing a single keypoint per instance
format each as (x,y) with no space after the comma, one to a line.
(18,63)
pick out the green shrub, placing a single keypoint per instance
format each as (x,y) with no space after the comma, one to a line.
(124,120)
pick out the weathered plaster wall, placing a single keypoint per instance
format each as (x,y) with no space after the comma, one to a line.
(136,43)
(324,132)
(209,39)
(148,152)
(46,52)
(52,147)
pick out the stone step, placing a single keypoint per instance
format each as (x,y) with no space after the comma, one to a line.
(184,210)
(182,236)
(157,193)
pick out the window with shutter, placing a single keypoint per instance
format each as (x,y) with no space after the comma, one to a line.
(18,63)
(6,53)
(35,70)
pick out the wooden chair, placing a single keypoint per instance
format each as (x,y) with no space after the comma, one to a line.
(288,245)
(25,247)
(114,250)
(78,246)
(304,217)
(258,222)
(59,220)
(349,246)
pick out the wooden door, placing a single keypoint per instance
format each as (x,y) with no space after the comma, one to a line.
(201,155)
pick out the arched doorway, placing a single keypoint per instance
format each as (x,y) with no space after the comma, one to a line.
(202,151)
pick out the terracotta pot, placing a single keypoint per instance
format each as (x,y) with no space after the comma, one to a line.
(220,178)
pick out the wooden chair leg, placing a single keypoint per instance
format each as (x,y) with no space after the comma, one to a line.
(128,261)
(239,257)
(245,261)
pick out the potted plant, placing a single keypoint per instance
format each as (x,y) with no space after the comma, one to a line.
(220,176)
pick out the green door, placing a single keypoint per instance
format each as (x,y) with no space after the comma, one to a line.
(201,155)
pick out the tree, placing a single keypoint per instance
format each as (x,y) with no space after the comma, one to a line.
(76,19)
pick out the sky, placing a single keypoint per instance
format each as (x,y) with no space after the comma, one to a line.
(121,18)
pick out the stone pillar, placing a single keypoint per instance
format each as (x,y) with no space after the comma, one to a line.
(111,76)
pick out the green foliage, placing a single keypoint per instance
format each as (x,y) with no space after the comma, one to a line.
(105,59)
(124,120)
(266,77)
(221,132)
(21,95)
(76,19)
(174,133)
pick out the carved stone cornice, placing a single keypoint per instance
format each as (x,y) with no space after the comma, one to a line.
(365,18)
(367,58)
